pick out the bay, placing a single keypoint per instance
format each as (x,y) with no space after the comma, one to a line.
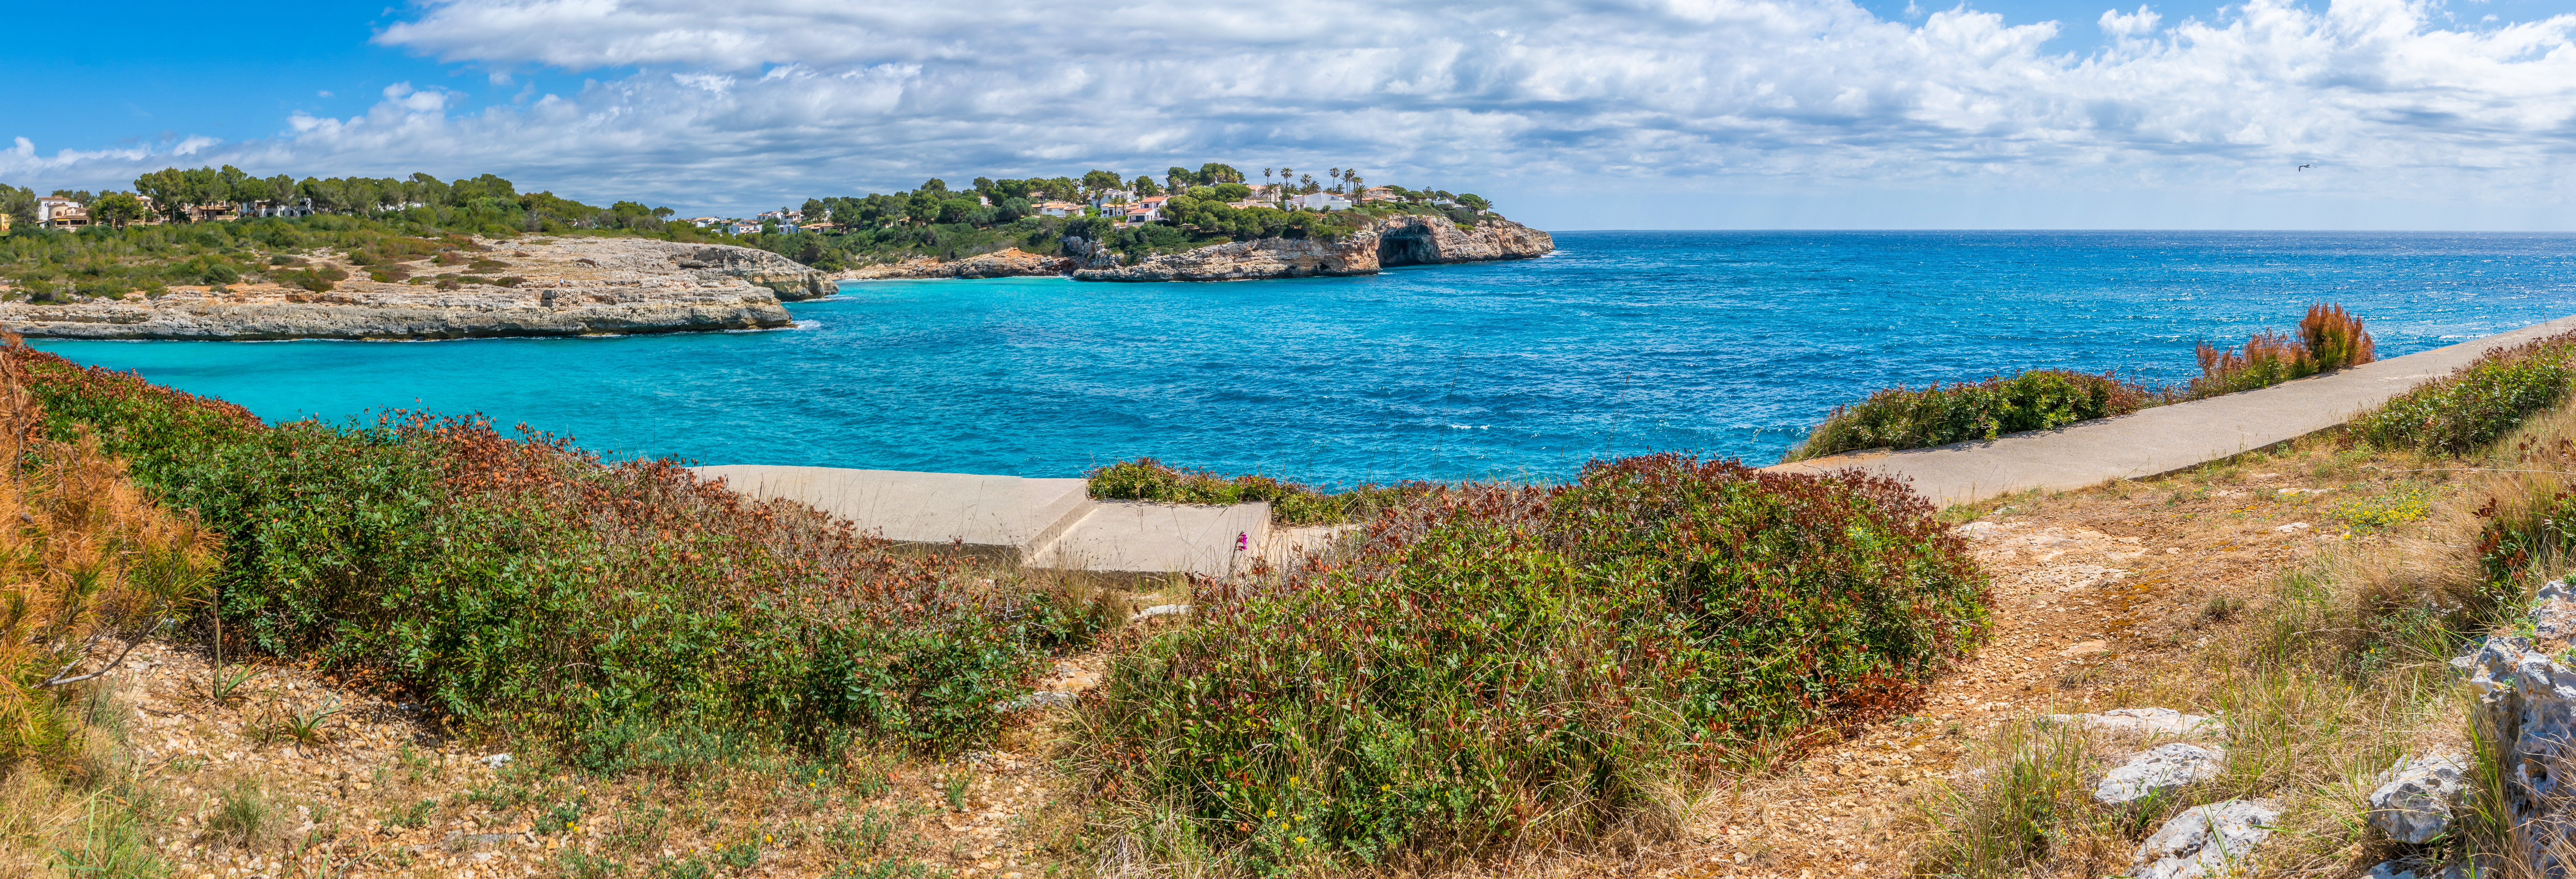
(1714,343)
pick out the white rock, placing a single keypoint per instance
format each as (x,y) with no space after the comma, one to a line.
(2157,770)
(1158,610)
(2414,803)
(497,761)
(2293,527)
(2413,870)
(2206,840)
(2143,722)
(1978,530)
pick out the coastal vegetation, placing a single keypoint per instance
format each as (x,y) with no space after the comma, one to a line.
(2478,404)
(1211,205)
(1145,479)
(596,607)
(377,220)
(1501,668)
(2328,338)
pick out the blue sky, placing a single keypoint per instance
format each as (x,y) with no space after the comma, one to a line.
(1601,114)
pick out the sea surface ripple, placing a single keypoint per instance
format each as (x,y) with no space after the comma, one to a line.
(1717,343)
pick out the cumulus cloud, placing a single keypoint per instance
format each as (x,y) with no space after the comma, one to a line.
(757,101)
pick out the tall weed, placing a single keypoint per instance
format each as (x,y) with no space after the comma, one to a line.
(2329,339)
(1146,479)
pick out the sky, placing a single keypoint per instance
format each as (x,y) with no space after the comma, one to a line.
(1568,114)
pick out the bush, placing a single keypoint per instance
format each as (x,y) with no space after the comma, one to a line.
(1146,479)
(526,583)
(2477,404)
(2329,338)
(1904,418)
(1503,666)
(91,567)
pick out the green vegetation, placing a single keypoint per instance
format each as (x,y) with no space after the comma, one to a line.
(527,585)
(935,220)
(1904,418)
(2475,405)
(1499,667)
(379,220)
(1146,479)
(2041,399)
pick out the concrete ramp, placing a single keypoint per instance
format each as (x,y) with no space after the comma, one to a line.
(1126,537)
(1003,517)
(1045,523)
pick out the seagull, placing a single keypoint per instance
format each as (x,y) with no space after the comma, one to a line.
(2306,167)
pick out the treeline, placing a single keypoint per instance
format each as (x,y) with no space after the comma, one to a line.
(365,217)
(179,195)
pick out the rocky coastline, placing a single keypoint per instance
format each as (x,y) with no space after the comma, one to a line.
(1393,241)
(561,287)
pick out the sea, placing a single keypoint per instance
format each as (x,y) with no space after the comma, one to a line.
(1719,344)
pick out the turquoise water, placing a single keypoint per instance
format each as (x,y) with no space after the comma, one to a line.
(1723,343)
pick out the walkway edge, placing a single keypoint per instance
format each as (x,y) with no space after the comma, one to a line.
(2164,439)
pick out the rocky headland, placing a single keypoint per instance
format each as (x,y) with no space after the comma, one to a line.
(1393,241)
(529,287)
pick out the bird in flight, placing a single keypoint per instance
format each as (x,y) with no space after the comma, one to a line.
(2306,167)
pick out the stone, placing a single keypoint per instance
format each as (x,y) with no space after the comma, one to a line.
(1979,530)
(2144,722)
(2415,801)
(2526,702)
(569,287)
(2206,840)
(497,761)
(1158,610)
(1040,700)
(2416,870)
(2159,770)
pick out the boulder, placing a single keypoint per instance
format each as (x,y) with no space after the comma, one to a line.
(2157,770)
(2207,840)
(2526,704)
(2414,870)
(2144,722)
(2415,801)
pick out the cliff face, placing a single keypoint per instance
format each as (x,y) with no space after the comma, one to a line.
(572,287)
(1000,264)
(1394,241)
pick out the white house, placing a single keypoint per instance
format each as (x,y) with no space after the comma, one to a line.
(1321,201)
(1059,208)
(1103,199)
(55,210)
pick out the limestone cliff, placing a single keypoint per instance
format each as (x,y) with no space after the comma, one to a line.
(1393,241)
(565,287)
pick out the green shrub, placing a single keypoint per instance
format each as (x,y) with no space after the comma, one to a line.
(1505,666)
(1904,418)
(527,583)
(1146,479)
(2474,406)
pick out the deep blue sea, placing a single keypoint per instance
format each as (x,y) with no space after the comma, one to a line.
(1720,343)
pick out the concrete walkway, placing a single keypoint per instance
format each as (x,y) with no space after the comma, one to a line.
(2166,438)
(1046,523)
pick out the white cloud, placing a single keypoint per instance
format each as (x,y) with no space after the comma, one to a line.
(742,105)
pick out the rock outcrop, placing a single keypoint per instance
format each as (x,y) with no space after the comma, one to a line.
(1010,263)
(2213,840)
(2416,799)
(2526,705)
(2143,722)
(562,287)
(2158,771)
(1394,241)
